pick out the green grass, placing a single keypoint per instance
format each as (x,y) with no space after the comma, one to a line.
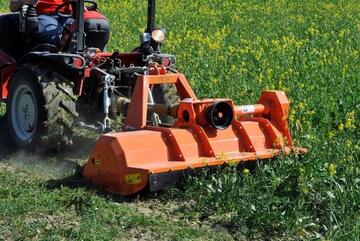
(2,109)
(35,208)
(310,49)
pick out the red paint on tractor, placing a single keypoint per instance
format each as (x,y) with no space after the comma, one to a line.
(7,68)
(6,74)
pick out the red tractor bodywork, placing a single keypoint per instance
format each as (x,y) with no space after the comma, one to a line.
(7,69)
(6,73)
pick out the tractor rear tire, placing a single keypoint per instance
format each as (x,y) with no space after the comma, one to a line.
(41,109)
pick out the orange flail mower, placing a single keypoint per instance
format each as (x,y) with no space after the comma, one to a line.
(206,133)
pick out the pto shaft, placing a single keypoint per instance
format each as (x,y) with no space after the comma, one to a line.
(251,110)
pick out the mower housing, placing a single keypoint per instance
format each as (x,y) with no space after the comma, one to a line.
(157,156)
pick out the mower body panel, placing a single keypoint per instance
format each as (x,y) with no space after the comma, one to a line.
(123,162)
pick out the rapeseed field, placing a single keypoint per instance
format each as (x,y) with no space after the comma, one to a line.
(311,50)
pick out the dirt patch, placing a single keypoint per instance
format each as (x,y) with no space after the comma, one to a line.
(143,234)
(55,164)
(7,168)
(65,220)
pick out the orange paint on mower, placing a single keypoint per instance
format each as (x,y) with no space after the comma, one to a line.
(206,133)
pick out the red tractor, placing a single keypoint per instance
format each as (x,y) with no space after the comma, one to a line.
(50,90)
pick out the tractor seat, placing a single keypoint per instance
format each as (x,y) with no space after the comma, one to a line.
(10,38)
(97,29)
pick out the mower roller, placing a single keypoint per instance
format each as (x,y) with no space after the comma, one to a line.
(166,130)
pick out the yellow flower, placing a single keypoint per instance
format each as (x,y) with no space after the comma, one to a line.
(342,33)
(298,124)
(332,169)
(214,81)
(301,105)
(232,49)
(275,42)
(304,188)
(331,135)
(246,171)
(341,127)
(350,120)
(348,144)
(221,58)
(292,116)
(214,45)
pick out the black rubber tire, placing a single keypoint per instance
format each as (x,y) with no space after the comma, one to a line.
(166,94)
(56,105)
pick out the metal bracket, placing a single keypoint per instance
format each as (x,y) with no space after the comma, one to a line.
(107,81)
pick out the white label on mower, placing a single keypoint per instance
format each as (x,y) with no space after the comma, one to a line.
(248,109)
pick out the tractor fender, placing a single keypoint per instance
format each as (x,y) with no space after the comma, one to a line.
(71,65)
